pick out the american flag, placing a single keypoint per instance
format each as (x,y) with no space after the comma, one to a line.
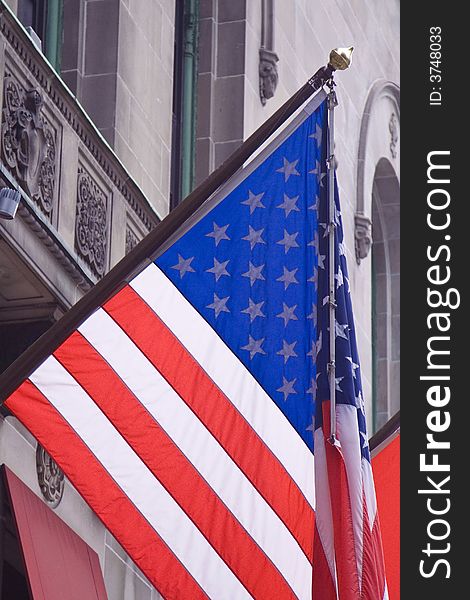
(348,553)
(186,409)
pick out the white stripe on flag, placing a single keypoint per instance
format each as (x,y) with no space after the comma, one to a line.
(137,481)
(348,434)
(229,374)
(323,513)
(201,448)
(369,491)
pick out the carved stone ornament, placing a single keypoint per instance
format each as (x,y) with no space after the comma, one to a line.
(28,143)
(393,128)
(268,75)
(50,477)
(362,236)
(91,224)
(131,240)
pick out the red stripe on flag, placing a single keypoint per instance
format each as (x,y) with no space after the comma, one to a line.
(217,413)
(373,572)
(386,467)
(345,555)
(174,471)
(103,495)
(323,587)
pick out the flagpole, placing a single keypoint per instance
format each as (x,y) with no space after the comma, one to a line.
(138,257)
(332,102)
(341,59)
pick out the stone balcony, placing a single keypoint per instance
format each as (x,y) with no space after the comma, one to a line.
(80,211)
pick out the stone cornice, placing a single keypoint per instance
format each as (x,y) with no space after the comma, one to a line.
(48,236)
(30,216)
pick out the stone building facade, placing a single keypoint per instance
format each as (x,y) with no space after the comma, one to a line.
(113,110)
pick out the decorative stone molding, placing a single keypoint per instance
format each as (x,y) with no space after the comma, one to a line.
(381,91)
(91,223)
(393,128)
(268,75)
(131,240)
(50,477)
(383,100)
(60,96)
(362,236)
(83,281)
(28,143)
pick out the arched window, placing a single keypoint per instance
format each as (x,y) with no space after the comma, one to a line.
(385,293)
(377,236)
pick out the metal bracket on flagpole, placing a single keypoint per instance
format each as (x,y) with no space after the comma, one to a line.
(339,60)
(321,77)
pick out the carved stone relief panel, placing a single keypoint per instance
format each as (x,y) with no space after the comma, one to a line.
(393,127)
(131,240)
(29,143)
(362,236)
(268,75)
(268,59)
(50,477)
(92,222)
(134,233)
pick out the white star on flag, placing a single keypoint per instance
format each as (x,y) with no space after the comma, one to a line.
(340,330)
(254,201)
(254,346)
(354,366)
(219,305)
(288,169)
(339,278)
(184,265)
(219,233)
(317,135)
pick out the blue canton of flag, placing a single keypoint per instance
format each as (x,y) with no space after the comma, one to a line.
(251,268)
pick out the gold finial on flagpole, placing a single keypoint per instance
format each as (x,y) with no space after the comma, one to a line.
(340,58)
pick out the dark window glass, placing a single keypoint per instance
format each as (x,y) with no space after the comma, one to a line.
(32,14)
(45,17)
(13,583)
(26,12)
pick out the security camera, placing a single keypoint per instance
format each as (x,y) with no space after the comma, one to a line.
(9,200)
